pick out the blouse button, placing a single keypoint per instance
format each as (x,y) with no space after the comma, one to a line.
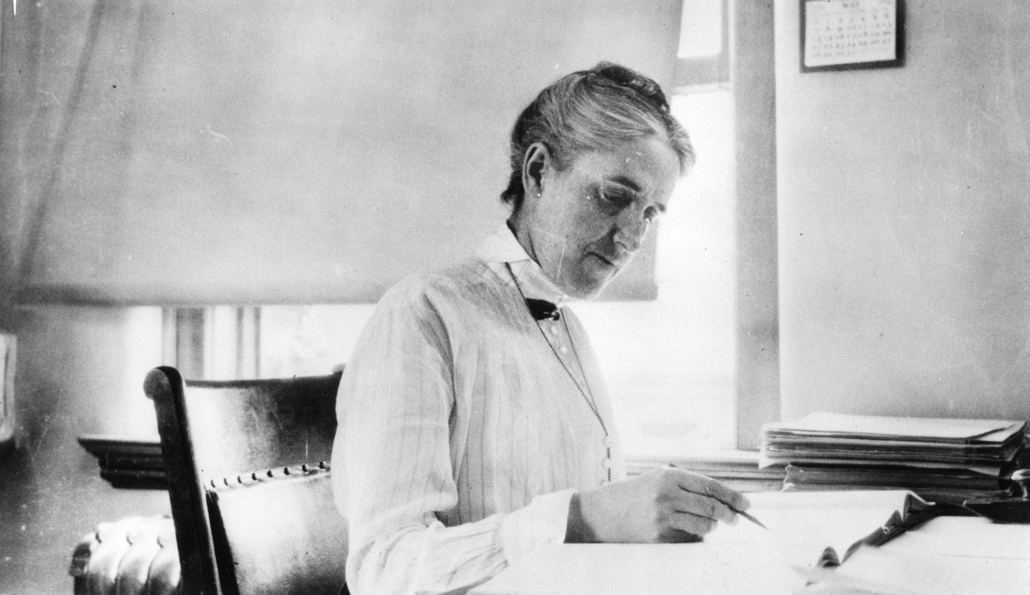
(606,463)
(563,349)
(608,442)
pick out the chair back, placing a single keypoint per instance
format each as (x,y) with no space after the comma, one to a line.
(234,432)
(281,531)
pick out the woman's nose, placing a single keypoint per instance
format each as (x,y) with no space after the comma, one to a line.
(630,228)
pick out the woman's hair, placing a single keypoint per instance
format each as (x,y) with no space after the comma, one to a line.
(592,110)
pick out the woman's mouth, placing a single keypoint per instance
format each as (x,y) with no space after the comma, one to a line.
(612,261)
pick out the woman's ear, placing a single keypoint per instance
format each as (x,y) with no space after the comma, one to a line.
(534,164)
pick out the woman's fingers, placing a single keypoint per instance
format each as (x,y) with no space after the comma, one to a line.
(702,507)
(693,525)
(664,504)
(706,486)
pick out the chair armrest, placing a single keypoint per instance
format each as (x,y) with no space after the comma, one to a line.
(134,555)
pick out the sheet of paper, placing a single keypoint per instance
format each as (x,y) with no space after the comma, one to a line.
(908,427)
(954,555)
(924,574)
(993,470)
(803,524)
(635,569)
(967,537)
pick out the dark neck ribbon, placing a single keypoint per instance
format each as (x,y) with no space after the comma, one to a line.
(542,309)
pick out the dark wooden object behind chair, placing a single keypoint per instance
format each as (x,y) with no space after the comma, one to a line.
(213,430)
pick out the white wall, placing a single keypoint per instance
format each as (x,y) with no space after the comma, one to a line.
(80,371)
(167,152)
(903,221)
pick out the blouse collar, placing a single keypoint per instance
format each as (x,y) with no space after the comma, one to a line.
(503,247)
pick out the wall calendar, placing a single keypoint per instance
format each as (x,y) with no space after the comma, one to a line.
(848,34)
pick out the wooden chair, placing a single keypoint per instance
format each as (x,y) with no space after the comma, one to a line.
(248,467)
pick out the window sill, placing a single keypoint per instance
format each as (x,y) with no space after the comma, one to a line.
(735,468)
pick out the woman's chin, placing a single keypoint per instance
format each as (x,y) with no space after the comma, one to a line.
(589,285)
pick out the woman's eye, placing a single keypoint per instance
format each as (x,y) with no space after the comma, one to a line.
(614,201)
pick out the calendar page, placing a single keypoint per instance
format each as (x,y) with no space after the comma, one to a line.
(848,32)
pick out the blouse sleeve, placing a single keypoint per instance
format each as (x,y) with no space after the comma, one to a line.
(392,472)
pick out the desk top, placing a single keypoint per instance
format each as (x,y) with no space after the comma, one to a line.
(643,570)
(956,555)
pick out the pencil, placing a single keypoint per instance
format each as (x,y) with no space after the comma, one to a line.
(749,517)
(740,512)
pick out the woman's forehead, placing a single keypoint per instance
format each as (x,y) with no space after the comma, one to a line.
(642,165)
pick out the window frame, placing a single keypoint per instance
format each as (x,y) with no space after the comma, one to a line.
(753,68)
(747,63)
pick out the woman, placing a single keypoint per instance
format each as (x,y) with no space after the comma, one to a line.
(473,422)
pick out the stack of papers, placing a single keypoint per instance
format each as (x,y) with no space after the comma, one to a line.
(939,459)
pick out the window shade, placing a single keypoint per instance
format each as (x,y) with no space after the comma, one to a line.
(279,151)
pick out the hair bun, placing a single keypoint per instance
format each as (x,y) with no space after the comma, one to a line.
(624,77)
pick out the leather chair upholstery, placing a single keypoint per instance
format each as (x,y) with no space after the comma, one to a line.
(280,532)
(275,532)
(215,433)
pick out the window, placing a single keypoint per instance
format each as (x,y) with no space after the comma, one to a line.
(685,370)
(669,363)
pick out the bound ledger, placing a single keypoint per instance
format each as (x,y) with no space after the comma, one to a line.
(810,534)
(824,528)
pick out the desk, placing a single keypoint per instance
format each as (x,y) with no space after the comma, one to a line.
(642,570)
(127,462)
(953,555)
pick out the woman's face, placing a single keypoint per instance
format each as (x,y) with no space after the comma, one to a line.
(590,218)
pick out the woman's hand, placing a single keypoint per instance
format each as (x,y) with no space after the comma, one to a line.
(661,506)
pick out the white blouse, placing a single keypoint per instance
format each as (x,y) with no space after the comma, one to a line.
(465,426)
